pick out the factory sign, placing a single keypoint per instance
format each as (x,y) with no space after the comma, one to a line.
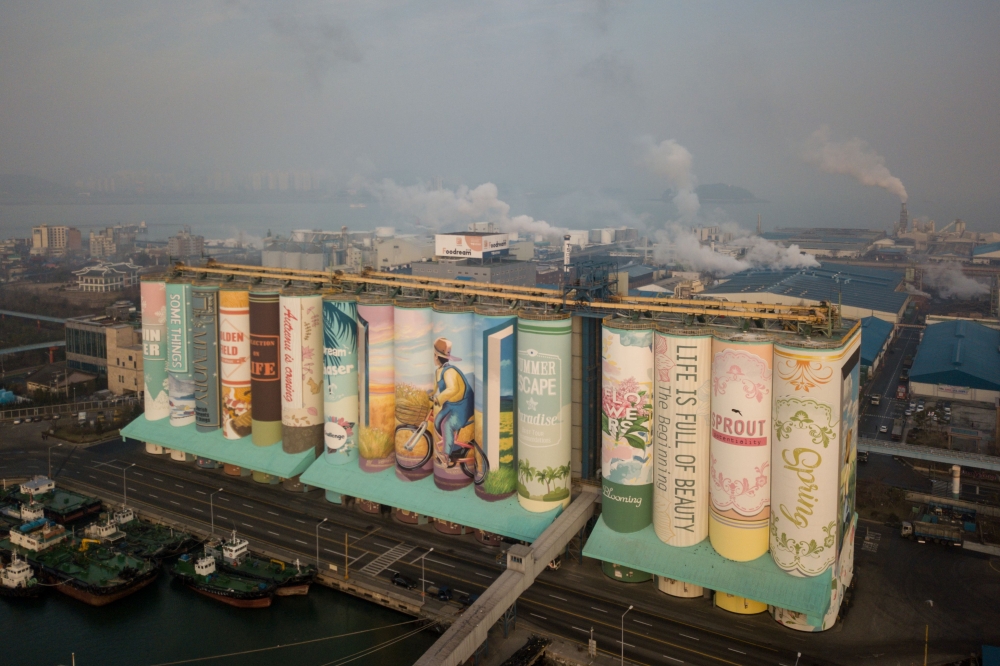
(471,246)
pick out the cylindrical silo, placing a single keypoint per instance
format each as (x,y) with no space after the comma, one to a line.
(456,459)
(377,390)
(180,381)
(627,414)
(739,605)
(265,366)
(741,445)
(154,349)
(805,454)
(205,356)
(340,378)
(678,588)
(234,362)
(301,371)
(683,401)
(494,347)
(414,362)
(544,426)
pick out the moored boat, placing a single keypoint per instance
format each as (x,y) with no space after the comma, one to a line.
(234,555)
(150,540)
(201,576)
(17,579)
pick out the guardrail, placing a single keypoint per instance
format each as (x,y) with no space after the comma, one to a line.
(64,408)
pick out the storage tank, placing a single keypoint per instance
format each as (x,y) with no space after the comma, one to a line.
(301,371)
(154,349)
(234,362)
(740,447)
(544,423)
(739,605)
(340,378)
(265,367)
(180,382)
(457,461)
(683,401)
(377,392)
(205,356)
(414,375)
(678,588)
(493,351)
(627,414)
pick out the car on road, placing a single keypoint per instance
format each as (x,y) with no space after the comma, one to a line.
(909,412)
(444,593)
(876,399)
(17,421)
(883,429)
(403,581)
(468,599)
(862,456)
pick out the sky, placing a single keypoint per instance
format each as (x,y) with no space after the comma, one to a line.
(551,101)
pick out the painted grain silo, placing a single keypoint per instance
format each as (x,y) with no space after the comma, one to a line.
(544,426)
(806,455)
(456,460)
(205,356)
(265,367)
(738,605)
(627,414)
(340,378)
(154,349)
(740,448)
(301,371)
(234,362)
(414,374)
(493,350)
(683,401)
(180,381)
(377,390)
(678,588)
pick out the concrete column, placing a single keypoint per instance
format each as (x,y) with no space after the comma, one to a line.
(956,481)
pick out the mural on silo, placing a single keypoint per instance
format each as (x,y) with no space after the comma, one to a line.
(457,461)
(494,350)
(340,371)
(205,356)
(848,466)
(301,372)
(740,448)
(414,374)
(154,350)
(544,426)
(681,495)
(265,366)
(627,413)
(234,362)
(180,383)
(376,449)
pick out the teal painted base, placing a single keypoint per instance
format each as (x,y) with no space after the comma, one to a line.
(334,498)
(624,574)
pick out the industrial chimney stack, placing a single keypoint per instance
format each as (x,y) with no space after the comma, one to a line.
(566,253)
(904,221)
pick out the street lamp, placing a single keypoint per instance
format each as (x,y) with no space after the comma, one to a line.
(346,560)
(50,457)
(623,634)
(317,542)
(124,488)
(422,581)
(211,508)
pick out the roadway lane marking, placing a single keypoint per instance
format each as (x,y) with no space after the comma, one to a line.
(691,637)
(440,562)
(223,518)
(201,492)
(735,650)
(137,473)
(555,597)
(429,582)
(641,622)
(274,533)
(296,520)
(628,644)
(539,616)
(302,542)
(223,499)
(483,575)
(460,591)
(586,631)
(247,505)
(274,514)
(173,502)
(248,525)
(598,609)
(178,485)
(92,476)
(152,495)
(674,659)
(156,479)
(197,509)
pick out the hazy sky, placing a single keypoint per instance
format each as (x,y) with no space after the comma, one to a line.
(533,96)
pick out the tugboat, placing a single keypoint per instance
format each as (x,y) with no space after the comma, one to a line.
(61,505)
(149,540)
(95,576)
(18,580)
(235,556)
(104,530)
(13,515)
(200,575)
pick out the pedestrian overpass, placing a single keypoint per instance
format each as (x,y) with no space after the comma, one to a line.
(929,453)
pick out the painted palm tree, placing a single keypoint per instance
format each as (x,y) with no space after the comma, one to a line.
(563,472)
(340,326)
(525,471)
(546,476)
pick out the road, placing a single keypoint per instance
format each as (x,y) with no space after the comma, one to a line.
(885,383)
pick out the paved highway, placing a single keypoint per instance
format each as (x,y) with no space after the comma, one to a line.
(566,603)
(885,383)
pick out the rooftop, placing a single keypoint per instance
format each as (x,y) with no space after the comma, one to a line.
(958,353)
(874,333)
(984,249)
(855,286)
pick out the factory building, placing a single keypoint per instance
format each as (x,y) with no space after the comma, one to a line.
(876,336)
(476,256)
(986,254)
(824,242)
(958,360)
(861,291)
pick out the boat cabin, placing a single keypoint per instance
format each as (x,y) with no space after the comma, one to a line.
(205,565)
(16,574)
(235,549)
(38,486)
(37,535)
(105,529)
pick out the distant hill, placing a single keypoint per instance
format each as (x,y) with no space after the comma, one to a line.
(16,188)
(719,193)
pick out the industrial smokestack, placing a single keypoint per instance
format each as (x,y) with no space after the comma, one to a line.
(904,220)
(566,253)
(758,224)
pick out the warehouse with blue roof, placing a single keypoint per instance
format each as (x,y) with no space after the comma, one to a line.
(876,336)
(958,360)
(986,254)
(861,291)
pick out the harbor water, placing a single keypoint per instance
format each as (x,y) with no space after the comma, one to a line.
(168,623)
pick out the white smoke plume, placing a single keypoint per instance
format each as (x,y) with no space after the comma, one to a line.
(674,162)
(853,157)
(910,289)
(438,208)
(677,245)
(948,280)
